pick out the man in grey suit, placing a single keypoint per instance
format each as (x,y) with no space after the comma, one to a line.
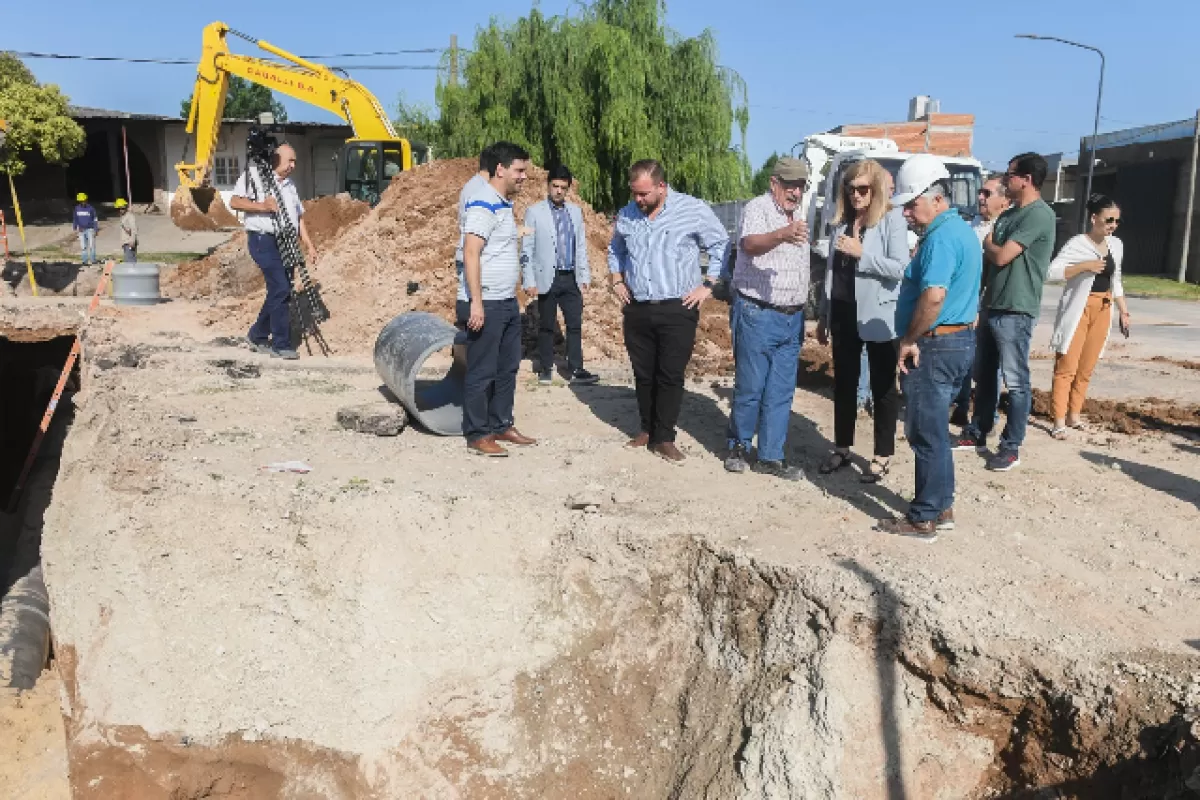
(555,265)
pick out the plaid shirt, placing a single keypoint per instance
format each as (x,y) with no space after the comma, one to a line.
(779,276)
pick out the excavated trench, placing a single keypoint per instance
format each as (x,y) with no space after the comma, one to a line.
(666,666)
(704,674)
(31,362)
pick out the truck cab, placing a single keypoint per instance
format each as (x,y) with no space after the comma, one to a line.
(966,178)
(366,168)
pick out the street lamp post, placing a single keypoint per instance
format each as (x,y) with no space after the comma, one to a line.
(1096,125)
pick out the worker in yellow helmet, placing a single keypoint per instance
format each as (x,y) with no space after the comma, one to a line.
(129,235)
(87,225)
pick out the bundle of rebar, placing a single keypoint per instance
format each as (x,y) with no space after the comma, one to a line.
(307,308)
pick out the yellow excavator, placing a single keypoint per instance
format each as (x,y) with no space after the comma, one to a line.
(366,163)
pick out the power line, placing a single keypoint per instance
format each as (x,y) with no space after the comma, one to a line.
(181,62)
(65,57)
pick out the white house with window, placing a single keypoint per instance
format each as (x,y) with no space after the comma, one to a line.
(133,156)
(317,145)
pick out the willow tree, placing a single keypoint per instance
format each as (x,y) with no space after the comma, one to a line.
(597,92)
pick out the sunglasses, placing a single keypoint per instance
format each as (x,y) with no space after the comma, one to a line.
(859,189)
(1111,220)
(985,193)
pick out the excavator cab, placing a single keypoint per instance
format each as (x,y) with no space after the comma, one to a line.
(366,168)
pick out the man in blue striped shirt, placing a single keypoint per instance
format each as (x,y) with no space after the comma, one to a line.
(654,261)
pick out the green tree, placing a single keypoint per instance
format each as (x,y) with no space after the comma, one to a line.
(37,118)
(416,122)
(598,91)
(244,100)
(762,178)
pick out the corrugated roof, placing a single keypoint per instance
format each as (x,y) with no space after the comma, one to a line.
(1164,132)
(87,112)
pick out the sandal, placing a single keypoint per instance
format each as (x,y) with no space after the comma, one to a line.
(1059,433)
(1077,424)
(837,459)
(876,470)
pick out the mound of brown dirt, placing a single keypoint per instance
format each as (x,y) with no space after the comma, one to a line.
(228,271)
(327,217)
(365,269)
(1177,362)
(1131,416)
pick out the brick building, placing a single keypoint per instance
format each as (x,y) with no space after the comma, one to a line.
(942,134)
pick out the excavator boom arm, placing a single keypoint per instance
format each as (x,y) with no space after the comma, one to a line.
(313,83)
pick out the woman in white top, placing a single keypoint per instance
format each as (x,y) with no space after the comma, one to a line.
(1090,263)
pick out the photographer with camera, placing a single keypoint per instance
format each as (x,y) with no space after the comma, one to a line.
(271,332)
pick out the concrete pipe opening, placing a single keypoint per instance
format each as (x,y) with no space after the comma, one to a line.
(403,347)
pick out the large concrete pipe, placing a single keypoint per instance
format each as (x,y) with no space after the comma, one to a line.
(401,350)
(24,631)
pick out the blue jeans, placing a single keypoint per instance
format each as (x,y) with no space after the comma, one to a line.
(493,359)
(864,381)
(1003,350)
(87,245)
(274,319)
(766,351)
(963,400)
(928,389)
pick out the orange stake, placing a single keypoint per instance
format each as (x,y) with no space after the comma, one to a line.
(72,357)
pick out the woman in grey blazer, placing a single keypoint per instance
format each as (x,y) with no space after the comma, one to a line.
(862,282)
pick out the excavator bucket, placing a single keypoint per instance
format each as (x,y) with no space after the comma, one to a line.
(201,209)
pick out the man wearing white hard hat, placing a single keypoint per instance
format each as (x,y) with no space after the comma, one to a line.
(935,317)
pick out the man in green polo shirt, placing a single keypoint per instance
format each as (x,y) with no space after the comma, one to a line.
(1016,258)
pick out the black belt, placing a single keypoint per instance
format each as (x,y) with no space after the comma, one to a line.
(788,310)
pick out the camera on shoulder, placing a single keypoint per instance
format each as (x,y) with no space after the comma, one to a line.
(260,144)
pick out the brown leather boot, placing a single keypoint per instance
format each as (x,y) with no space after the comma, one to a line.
(641,440)
(486,446)
(945,520)
(669,453)
(514,436)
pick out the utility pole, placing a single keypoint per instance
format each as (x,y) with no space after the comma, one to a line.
(1187,219)
(454,59)
(1087,193)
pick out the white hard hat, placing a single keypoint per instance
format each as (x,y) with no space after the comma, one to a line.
(916,175)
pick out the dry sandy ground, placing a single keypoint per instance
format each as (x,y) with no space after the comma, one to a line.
(33,759)
(1087,548)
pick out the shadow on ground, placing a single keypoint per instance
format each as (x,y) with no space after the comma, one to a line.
(704,420)
(889,617)
(1178,486)
(53,276)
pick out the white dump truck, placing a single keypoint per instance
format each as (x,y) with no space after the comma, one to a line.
(828,157)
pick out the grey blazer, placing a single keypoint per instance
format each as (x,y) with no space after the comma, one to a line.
(877,279)
(539,249)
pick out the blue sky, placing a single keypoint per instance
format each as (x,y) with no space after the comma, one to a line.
(809,66)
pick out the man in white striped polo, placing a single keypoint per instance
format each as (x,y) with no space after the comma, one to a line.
(766,318)
(487,305)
